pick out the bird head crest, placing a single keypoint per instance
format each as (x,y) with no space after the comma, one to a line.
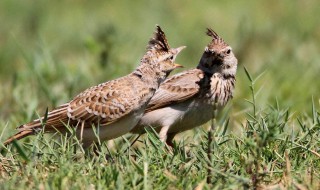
(216,39)
(158,41)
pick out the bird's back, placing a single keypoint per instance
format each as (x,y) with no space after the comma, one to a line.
(101,105)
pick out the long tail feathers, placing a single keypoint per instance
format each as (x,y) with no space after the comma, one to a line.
(18,136)
(56,119)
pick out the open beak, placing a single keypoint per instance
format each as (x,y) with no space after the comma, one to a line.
(180,48)
(176,65)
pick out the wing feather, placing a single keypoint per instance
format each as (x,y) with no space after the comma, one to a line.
(103,104)
(177,88)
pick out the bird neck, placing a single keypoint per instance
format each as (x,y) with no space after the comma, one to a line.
(205,70)
(150,75)
(221,88)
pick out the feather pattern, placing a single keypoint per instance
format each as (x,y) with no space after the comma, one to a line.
(176,89)
(107,102)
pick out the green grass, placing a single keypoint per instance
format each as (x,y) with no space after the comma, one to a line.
(267,152)
(268,135)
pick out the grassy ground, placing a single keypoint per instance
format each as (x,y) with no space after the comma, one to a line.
(267,137)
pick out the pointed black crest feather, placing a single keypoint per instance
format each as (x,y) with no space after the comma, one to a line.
(212,33)
(159,41)
(216,38)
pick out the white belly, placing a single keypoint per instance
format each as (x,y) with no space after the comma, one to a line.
(114,130)
(179,117)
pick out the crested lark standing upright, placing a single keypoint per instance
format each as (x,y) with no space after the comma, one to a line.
(188,99)
(113,107)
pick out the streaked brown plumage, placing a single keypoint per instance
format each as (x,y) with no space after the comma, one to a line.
(188,99)
(115,106)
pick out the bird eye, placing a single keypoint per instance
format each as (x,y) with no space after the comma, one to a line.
(228,51)
(171,58)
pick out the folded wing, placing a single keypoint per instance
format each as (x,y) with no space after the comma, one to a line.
(176,89)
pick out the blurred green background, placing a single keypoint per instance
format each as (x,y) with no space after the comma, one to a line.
(52,50)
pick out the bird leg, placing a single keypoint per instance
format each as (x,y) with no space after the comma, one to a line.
(96,148)
(163,133)
(81,131)
(170,138)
